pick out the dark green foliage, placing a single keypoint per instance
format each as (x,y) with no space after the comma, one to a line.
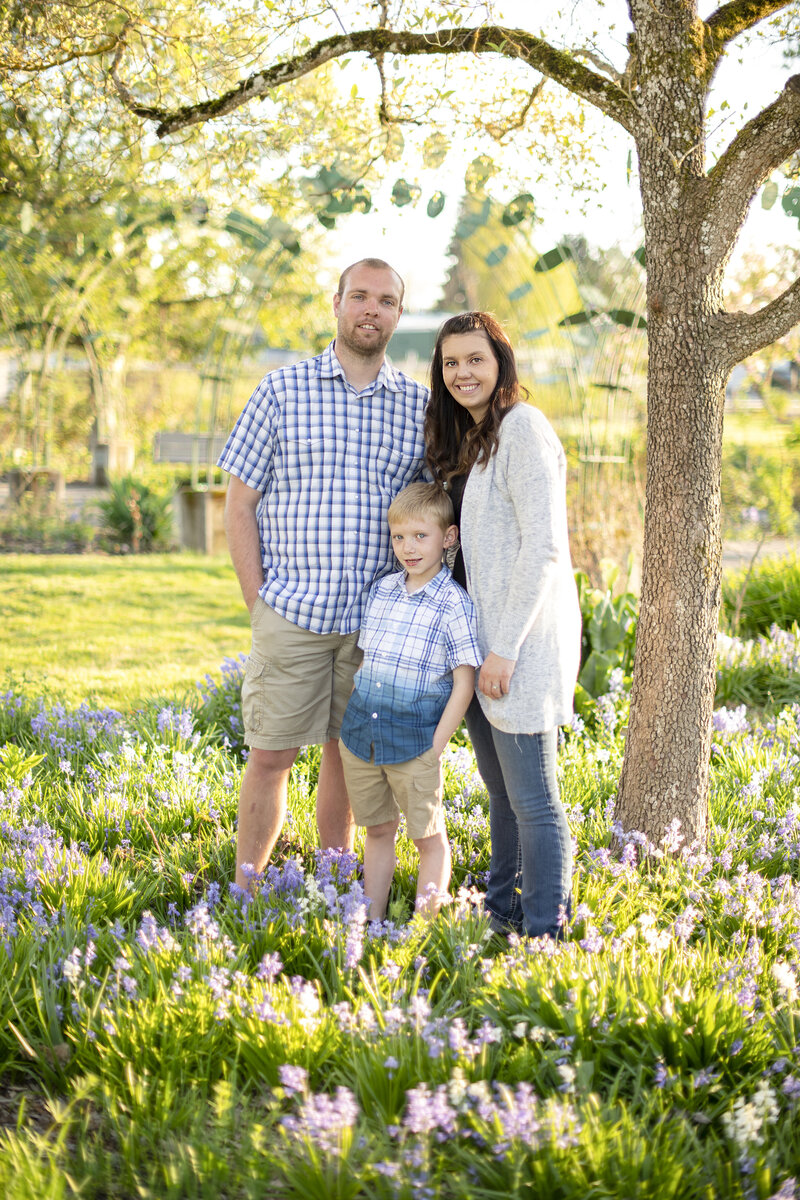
(608,638)
(136,517)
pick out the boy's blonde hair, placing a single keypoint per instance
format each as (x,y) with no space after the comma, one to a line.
(428,500)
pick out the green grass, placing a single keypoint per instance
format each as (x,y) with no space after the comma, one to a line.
(764,594)
(118,629)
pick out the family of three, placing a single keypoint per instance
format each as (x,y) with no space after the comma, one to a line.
(404,557)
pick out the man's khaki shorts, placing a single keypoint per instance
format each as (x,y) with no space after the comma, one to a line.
(379,792)
(296,683)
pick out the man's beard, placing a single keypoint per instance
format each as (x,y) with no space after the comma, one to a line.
(361,348)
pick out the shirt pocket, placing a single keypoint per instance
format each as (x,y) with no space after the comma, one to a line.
(305,446)
(398,456)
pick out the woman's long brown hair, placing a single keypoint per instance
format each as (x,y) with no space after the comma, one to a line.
(453,441)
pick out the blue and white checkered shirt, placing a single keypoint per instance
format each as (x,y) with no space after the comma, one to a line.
(411,645)
(329,461)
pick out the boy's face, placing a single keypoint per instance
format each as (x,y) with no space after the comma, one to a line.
(418,544)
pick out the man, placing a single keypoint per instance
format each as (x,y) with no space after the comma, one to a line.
(315,460)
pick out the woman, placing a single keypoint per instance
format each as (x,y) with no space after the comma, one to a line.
(501,457)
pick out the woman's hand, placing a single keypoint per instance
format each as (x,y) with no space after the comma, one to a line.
(495,675)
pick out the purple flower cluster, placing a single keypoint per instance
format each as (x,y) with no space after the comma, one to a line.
(177,721)
(324,1120)
(66,733)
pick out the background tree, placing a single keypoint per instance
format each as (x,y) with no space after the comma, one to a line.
(658,93)
(113,250)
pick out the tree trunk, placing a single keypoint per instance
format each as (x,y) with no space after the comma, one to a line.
(665,774)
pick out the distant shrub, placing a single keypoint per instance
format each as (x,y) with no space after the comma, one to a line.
(34,527)
(758,597)
(136,517)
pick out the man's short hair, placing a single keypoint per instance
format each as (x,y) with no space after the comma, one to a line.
(427,500)
(375,264)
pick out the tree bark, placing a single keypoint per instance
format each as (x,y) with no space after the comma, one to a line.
(665,774)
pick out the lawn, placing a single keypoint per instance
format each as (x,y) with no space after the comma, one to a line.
(120,630)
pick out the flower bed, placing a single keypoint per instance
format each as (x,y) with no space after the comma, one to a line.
(161,1036)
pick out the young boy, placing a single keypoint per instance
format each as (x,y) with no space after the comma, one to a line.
(409,695)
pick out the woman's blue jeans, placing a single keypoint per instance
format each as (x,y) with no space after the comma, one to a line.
(530,874)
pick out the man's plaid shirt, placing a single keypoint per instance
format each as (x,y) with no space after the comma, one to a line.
(329,461)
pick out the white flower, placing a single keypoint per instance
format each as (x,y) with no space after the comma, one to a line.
(785,978)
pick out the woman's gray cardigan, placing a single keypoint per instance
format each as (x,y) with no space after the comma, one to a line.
(519,573)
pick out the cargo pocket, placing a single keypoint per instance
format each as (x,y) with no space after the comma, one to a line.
(256,670)
(428,781)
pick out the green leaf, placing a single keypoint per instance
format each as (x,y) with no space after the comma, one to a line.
(790,202)
(579,318)
(518,210)
(769,194)
(640,256)
(624,316)
(520,291)
(436,204)
(554,258)
(362,201)
(404,193)
(595,672)
(328,179)
(434,150)
(328,222)
(339,203)
(479,172)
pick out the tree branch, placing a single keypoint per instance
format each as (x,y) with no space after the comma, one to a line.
(488,39)
(737,16)
(745,333)
(35,66)
(758,148)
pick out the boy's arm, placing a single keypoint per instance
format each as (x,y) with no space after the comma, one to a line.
(457,705)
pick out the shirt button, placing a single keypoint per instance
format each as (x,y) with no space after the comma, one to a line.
(374,716)
(377,685)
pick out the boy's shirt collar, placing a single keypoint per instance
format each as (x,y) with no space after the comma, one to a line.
(439,580)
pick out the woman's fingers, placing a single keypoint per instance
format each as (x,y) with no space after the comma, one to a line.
(495,676)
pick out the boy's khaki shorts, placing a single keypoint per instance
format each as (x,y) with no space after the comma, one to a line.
(296,683)
(379,792)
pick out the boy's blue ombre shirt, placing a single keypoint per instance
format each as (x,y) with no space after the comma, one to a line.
(411,645)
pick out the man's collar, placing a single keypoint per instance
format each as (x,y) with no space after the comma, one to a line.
(330,368)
